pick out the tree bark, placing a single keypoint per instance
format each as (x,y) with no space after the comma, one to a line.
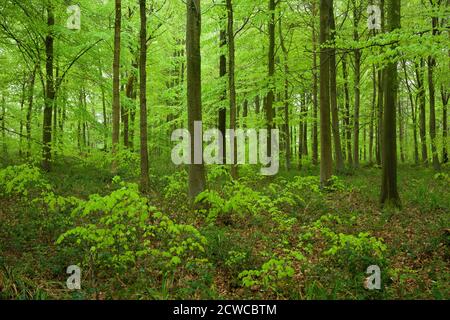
(326,161)
(315,138)
(197,180)
(116,84)
(144,178)
(333,96)
(389,193)
(49,92)
(223,98)
(232,87)
(347,120)
(422,106)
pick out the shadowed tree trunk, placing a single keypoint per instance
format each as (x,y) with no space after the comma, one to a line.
(356,18)
(333,96)
(315,138)
(143,97)
(347,120)
(413,114)
(326,161)
(49,92)
(271,64)
(422,116)
(197,180)
(445,97)
(287,131)
(30,108)
(116,84)
(389,193)
(432,93)
(223,98)
(232,87)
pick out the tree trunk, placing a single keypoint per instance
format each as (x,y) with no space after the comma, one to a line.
(287,131)
(197,180)
(30,109)
(333,96)
(223,98)
(432,93)
(389,193)
(326,161)
(422,105)
(232,87)
(445,97)
(143,97)
(413,114)
(49,92)
(347,120)
(315,138)
(2,118)
(356,154)
(271,65)
(116,84)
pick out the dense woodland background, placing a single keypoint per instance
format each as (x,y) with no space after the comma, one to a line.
(86,177)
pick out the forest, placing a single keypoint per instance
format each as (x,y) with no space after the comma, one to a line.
(224,150)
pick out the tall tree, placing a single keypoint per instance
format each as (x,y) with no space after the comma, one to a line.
(357,53)
(143,96)
(315,137)
(422,106)
(197,180)
(333,95)
(116,83)
(326,161)
(232,87)
(49,90)
(286,126)
(347,121)
(389,193)
(271,64)
(223,97)
(432,92)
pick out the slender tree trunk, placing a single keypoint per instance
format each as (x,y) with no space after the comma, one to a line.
(347,120)
(2,118)
(22,105)
(333,96)
(413,114)
(389,193)
(432,93)
(356,18)
(271,65)
(105,118)
(401,139)
(445,97)
(232,87)
(49,92)
(223,98)
(197,180)
(372,114)
(287,131)
(326,160)
(143,97)
(315,138)
(116,84)
(30,108)
(422,107)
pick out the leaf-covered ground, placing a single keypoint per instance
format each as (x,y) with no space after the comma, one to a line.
(281,237)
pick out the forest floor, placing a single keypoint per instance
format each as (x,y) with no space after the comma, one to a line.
(279,238)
